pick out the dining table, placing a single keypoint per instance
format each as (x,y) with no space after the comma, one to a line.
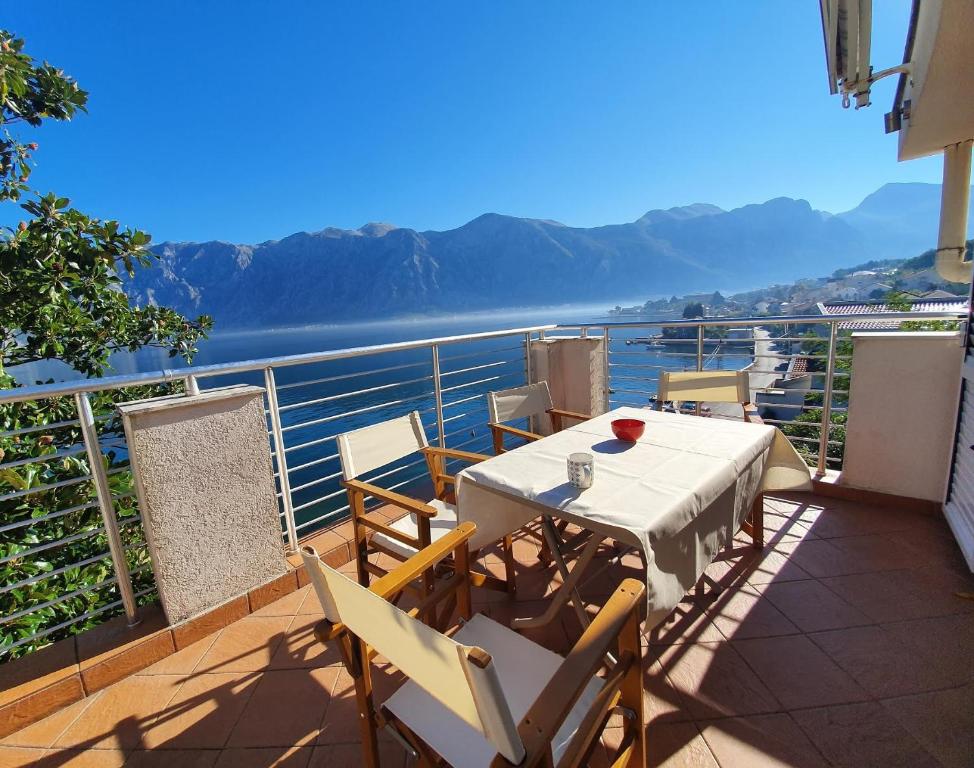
(678,494)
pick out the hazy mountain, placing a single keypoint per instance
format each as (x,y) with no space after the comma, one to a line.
(900,219)
(504,261)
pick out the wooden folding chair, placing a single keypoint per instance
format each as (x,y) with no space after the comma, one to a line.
(717,387)
(532,402)
(707,386)
(365,450)
(485,696)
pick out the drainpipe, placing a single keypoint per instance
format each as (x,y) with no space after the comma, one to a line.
(954,202)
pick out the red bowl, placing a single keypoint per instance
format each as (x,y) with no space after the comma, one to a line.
(629,430)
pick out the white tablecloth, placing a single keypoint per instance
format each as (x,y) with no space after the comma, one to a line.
(679,493)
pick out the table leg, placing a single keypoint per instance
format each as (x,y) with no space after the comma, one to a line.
(757,522)
(570,578)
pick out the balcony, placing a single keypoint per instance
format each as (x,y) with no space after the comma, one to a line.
(843,642)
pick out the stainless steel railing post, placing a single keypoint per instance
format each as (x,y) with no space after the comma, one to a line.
(826,425)
(605,367)
(700,347)
(527,358)
(285,481)
(116,548)
(700,335)
(438,395)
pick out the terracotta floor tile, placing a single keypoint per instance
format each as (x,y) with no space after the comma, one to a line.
(820,558)
(246,645)
(945,641)
(812,606)
(21,757)
(689,622)
(760,741)
(852,519)
(265,757)
(884,596)
(285,606)
(872,565)
(769,565)
(122,713)
(862,736)
(79,758)
(677,745)
(45,732)
(876,552)
(661,701)
(881,664)
(182,662)
(798,672)
(340,724)
(742,613)
(391,755)
(173,758)
(714,681)
(202,713)
(286,709)
(933,541)
(311,605)
(941,722)
(558,636)
(301,650)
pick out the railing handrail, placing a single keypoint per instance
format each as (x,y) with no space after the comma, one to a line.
(75,386)
(775,320)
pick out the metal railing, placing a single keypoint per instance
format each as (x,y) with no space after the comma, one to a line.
(311,398)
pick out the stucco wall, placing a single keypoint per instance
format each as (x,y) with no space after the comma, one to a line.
(573,368)
(902,412)
(206,491)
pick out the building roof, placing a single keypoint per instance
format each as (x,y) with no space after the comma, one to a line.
(922,306)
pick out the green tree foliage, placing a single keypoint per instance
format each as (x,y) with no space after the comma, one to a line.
(61,298)
(693,310)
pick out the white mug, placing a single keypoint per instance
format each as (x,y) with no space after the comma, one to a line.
(581,470)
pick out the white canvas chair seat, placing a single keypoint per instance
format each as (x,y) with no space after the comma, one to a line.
(444,522)
(524,668)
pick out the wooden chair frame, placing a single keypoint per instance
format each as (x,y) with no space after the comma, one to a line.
(498,429)
(615,629)
(365,523)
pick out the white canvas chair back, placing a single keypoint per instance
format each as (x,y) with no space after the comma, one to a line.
(363,450)
(435,662)
(704,386)
(519,402)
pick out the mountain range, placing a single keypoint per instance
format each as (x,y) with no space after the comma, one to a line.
(497,261)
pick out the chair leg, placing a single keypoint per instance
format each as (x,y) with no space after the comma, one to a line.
(509,565)
(356,660)
(631,691)
(360,537)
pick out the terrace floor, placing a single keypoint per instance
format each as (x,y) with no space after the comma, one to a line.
(843,643)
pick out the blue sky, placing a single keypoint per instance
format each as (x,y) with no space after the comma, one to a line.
(247,121)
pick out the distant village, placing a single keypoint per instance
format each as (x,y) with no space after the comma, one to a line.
(872,284)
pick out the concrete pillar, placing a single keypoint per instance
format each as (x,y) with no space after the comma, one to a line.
(205,485)
(902,412)
(574,369)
